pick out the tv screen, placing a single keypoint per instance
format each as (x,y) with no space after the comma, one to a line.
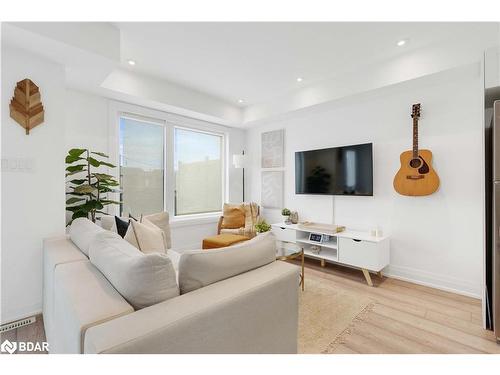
(344,170)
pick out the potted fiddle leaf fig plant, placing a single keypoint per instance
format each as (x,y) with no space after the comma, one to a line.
(87,188)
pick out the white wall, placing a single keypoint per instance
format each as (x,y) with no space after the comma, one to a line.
(33,200)
(435,240)
(86,121)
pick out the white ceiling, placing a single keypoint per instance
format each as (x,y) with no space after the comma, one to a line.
(260,61)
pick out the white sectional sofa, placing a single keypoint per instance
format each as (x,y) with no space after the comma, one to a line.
(232,306)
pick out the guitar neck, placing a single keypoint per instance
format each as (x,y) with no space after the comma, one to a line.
(415,137)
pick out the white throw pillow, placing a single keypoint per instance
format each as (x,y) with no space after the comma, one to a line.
(161,220)
(142,279)
(146,237)
(199,268)
(82,232)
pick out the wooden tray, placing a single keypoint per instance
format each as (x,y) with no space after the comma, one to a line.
(321,227)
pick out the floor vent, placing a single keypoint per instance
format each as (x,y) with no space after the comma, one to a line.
(17,324)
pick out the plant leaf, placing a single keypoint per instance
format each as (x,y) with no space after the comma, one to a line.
(93,162)
(93,205)
(76,151)
(74,193)
(108,201)
(74,172)
(100,154)
(105,189)
(75,168)
(71,159)
(74,208)
(74,200)
(78,214)
(103,176)
(108,183)
(108,164)
(78,181)
(85,189)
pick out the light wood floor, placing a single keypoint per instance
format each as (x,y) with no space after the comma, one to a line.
(407,318)
(30,333)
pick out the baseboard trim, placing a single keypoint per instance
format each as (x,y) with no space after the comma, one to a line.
(446,283)
(19,315)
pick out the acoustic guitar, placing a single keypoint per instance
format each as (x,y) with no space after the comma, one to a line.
(416,177)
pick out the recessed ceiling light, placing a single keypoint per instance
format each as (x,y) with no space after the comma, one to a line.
(300,79)
(241,101)
(401,42)
(131,62)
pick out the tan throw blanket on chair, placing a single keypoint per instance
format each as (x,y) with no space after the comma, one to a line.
(251,218)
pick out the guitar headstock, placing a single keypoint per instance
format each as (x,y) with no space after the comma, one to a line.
(415,111)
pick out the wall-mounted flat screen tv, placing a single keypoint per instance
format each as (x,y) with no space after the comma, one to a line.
(346,170)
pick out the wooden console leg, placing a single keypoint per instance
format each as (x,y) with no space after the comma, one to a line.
(367,277)
(379,274)
(322,262)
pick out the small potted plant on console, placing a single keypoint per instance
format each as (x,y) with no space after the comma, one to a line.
(285,212)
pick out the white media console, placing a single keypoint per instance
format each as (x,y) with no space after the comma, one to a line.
(355,249)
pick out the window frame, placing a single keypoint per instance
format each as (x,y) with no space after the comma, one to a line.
(170,121)
(149,120)
(223,169)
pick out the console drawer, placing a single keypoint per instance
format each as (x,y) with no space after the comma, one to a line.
(364,254)
(283,233)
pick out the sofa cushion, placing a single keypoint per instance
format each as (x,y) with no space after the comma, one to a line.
(142,279)
(146,237)
(198,268)
(82,233)
(56,251)
(83,298)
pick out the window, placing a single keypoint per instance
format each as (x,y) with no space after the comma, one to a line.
(142,161)
(166,163)
(198,168)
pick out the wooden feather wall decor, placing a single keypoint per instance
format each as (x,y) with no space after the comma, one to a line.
(26,106)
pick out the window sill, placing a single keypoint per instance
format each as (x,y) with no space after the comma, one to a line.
(190,220)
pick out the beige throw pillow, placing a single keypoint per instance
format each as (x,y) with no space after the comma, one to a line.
(233,216)
(161,220)
(142,279)
(146,236)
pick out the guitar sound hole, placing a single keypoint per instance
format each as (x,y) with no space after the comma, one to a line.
(415,163)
